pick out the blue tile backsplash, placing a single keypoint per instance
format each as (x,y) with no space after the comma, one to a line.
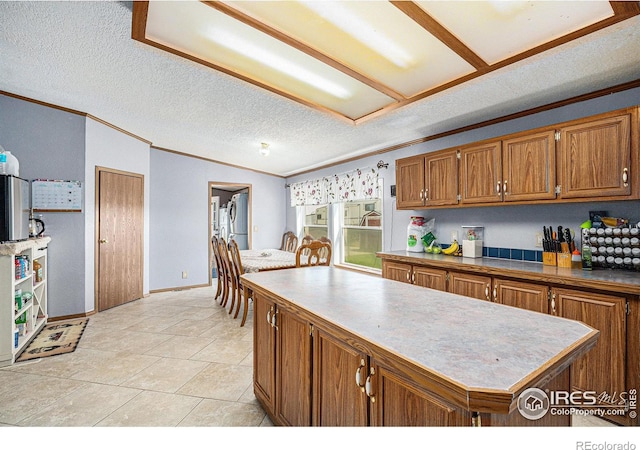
(517,254)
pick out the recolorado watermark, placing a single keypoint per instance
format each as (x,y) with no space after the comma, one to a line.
(534,403)
(588,445)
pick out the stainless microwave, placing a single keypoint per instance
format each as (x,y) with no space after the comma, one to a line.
(14,208)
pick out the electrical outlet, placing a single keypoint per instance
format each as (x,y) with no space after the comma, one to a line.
(538,239)
(184,274)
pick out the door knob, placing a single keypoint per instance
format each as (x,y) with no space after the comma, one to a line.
(103,241)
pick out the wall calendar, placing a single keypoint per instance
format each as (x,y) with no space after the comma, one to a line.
(56,195)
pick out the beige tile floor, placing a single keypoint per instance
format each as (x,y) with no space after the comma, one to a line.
(173,359)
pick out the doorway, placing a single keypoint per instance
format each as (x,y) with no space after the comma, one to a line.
(220,194)
(119,235)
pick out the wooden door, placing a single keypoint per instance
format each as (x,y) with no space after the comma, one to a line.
(410,182)
(595,158)
(476,286)
(481,173)
(396,400)
(396,271)
(534,297)
(264,351)
(529,167)
(441,185)
(602,369)
(293,369)
(430,278)
(337,397)
(120,234)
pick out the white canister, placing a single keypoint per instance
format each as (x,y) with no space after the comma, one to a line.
(12,166)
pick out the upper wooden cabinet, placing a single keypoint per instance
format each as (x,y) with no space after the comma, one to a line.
(428,180)
(595,158)
(481,173)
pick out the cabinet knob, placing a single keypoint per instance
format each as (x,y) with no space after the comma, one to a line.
(103,241)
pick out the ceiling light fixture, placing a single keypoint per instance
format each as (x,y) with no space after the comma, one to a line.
(264,149)
(361,30)
(277,62)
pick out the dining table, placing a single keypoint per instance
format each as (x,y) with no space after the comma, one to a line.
(266,259)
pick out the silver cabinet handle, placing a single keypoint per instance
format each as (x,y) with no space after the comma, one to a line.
(504,187)
(553,303)
(426,194)
(498,188)
(625,177)
(359,376)
(421,194)
(269,316)
(495,293)
(486,291)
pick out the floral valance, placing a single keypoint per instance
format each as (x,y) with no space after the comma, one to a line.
(351,186)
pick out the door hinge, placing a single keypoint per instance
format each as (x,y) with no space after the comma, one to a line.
(557,136)
(558,189)
(458,155)
(311,330)
(459,197)
(446,277)
(628,309)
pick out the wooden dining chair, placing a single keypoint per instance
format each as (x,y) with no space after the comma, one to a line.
(225,264)
(307,239)
(323,251)
(289,242)
(215,249)
(238,289)
(315,253)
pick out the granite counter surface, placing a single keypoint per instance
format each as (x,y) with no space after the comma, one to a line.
(617,280)
(473,343)
(13,248)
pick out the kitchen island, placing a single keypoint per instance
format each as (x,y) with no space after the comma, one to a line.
(334,347)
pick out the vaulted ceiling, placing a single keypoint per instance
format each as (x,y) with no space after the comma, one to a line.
(320,82)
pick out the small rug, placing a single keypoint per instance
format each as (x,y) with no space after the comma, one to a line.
(55,339)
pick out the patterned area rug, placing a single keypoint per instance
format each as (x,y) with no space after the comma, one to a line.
(55,339)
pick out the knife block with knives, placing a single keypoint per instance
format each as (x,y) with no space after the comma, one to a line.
(557,247)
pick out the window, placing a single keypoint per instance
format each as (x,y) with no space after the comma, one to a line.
(362,233)
(315,222)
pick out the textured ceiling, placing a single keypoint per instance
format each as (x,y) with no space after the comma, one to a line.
(80,55)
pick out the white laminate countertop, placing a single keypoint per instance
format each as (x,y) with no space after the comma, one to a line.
(471,342)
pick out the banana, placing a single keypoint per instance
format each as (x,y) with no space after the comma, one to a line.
(451,249)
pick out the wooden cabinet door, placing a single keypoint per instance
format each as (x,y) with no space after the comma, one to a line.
(529,167)
(293,369)
(476,286)
(337,398)
(481,173)
(602,369)
(264,355)
(430,278)
(396,271)
(397,401)
(441,174)
(534,297)
(595,158)
(410,182)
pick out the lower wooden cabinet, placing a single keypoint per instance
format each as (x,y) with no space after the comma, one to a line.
(470,285)
(339,374)
(602,369)
(418,275)
(282,363)
(534,297)
(398,401)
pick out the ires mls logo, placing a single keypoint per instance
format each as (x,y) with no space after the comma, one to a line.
(534,403)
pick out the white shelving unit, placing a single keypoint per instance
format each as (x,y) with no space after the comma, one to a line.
(30,314)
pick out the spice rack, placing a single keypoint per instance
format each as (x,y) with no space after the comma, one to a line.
(614,248)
